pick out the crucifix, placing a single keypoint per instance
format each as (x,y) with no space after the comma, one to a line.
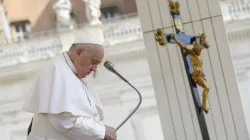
(192,60)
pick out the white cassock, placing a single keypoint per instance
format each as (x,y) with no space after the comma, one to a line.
(64,106)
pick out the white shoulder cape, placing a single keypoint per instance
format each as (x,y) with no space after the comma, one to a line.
(56,89)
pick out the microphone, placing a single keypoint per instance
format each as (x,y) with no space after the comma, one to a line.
(109,66)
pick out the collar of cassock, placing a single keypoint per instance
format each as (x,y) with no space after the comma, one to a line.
(69,62)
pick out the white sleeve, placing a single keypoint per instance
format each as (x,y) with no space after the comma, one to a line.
(77,127)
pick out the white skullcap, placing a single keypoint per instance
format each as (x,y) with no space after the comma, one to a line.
(90,38)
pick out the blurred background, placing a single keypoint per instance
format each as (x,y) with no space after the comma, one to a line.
(34,31)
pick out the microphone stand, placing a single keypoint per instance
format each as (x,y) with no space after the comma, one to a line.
(111,68)
(137,106)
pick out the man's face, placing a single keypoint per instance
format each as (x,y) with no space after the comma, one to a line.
(87,59)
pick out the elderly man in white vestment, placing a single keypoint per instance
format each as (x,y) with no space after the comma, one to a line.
(65,106)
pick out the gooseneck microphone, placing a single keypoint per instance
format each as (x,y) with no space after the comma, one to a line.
(109,66)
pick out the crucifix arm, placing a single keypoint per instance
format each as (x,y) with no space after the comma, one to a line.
(181,45)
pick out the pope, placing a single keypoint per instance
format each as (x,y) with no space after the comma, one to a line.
(64,104)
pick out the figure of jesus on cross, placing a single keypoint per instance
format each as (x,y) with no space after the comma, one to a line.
(198,76)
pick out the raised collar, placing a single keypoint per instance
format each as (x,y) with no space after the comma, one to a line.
(69,62)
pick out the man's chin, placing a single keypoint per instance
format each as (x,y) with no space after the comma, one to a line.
(80,77)
(84,76)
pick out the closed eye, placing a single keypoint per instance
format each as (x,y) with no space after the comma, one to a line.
(95,62)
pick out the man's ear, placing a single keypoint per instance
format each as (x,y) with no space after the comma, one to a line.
(79,51)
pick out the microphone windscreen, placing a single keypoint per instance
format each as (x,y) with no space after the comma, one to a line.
(108,65)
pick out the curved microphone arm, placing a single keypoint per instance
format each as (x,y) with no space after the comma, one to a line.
(138,105)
